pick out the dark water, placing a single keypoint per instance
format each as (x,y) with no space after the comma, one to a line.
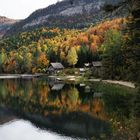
(44,109)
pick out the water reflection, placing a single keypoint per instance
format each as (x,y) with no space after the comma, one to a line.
(16,128)
(78,110)
(42,98)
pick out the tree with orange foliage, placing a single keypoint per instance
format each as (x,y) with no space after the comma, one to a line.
(42,62)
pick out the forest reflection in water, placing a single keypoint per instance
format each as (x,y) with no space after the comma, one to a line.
(87,110)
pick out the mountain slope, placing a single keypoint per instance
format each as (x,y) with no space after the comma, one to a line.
(73,14)
(5,25)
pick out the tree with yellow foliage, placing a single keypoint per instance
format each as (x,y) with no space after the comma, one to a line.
(2,59)
(72,57)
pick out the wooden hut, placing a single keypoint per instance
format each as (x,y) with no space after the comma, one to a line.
(55,67)
(97,64)
(97,68)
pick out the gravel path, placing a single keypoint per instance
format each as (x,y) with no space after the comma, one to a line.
(124,83)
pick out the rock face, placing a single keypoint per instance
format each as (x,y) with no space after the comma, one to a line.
(73,14)
(5,25)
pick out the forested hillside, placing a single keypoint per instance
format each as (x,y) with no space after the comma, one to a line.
(32,51)
(115,42)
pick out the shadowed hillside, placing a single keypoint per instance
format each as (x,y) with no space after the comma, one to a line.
(73,14)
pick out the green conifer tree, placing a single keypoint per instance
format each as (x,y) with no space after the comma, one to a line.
(131,48)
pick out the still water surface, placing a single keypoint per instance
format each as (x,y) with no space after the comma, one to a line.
(42,108)
(24,130)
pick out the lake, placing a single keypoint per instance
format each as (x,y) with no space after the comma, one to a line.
(44,108)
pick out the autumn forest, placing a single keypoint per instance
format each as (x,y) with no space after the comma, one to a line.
(115,42)
(71,71)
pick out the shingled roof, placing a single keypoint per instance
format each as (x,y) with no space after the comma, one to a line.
(97,64)
(57,65)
